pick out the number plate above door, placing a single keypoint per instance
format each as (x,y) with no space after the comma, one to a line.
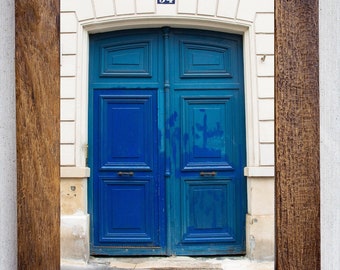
(164,2)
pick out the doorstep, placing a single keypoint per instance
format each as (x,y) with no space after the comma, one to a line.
(170,263)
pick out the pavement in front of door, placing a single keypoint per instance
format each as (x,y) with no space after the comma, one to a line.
(170,263)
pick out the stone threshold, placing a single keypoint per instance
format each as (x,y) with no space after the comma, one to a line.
(170,263)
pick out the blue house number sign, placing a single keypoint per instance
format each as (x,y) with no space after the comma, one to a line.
(165,2)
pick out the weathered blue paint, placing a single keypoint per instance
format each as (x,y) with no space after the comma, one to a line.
(166,143)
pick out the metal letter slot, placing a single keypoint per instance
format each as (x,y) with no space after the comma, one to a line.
(208,173)
(125,173)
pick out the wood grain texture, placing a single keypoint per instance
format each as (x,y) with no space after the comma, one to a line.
(297,135)
(37,95)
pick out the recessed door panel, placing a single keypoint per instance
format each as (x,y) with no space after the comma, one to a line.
(126,144)
(127,60)
(207,127)
(207,217)
(127,212)
(201,59)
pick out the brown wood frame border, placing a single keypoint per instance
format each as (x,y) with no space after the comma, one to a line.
(297,132)
(37,97)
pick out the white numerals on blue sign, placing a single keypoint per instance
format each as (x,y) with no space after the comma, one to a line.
(165,1)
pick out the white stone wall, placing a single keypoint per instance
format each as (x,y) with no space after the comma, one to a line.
(253,19)
(8,205)
(329,30)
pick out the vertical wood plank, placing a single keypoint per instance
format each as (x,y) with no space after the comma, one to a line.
(37,96)
(297,135)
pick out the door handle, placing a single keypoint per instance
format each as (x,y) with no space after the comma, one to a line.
(208,173)
(125,173)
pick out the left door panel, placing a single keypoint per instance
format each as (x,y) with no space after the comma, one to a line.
(126,187)
(126,180)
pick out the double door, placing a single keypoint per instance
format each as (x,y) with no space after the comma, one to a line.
(166,143)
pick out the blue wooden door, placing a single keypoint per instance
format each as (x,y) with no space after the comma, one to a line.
(166,143)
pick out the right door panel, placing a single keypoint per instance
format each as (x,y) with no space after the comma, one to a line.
(207,186)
